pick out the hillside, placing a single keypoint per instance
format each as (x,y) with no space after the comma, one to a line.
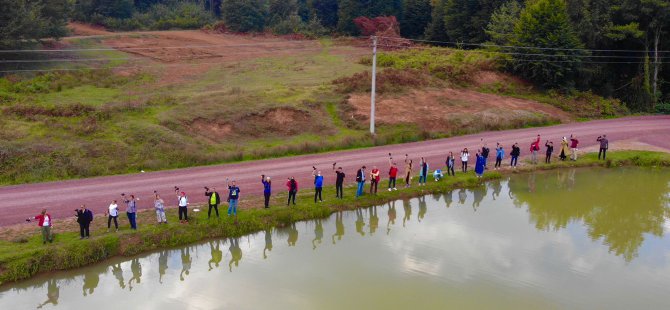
(157,100)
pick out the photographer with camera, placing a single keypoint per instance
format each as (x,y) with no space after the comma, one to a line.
(159,206)
(182,200)
(267,189)
(318,184)
(292,186)
(233,197)
(131,210)
(339,181)
(213,201)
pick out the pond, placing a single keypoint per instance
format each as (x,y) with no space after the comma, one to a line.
(559,239)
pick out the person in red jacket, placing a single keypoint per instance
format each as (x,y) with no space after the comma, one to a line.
(573,147)
(292,186)
(534,149)
(393,174)
(45,222)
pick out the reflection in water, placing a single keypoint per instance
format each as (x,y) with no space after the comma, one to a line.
(360,223)
(374,220)
(136,269)
(292,235)
(462,195)
(448,198)
(236,252)
(162,265)
(185,263)
(268,242)
(391,215)
(53,291)
(479,193)
(339,227)
(217,254)
(497,187)
(91,281)
(621,209)
(118,274)
(408,211)
(423,208)
(318,233)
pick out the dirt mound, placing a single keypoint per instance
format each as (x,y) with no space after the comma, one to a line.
(453,110)
(79,29)
(282,122)
(176,46)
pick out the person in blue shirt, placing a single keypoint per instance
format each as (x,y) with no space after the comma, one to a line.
(267,189)
(423,173)
(318,184)
(479,165)
(233,198)
(500,155)
(360,179)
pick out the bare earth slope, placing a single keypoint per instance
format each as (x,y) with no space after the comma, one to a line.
(19,202)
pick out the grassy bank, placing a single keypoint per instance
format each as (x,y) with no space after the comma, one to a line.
(26,257)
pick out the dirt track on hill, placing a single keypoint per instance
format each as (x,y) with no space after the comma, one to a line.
(21,201)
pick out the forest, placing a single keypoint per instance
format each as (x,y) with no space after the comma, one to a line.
(614,48)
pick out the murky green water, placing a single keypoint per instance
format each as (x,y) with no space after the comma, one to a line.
(590,239)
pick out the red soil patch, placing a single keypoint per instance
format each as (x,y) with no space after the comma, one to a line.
(443,110)
(79,29)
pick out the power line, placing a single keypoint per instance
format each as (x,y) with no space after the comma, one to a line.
(128,67)
(525,47)
(526,54)
(120,48)
(213,55)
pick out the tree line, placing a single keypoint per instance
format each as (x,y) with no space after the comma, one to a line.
(614,48)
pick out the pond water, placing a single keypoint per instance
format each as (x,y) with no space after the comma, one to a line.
(561,239)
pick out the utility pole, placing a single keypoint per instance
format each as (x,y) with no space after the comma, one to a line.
(374,86)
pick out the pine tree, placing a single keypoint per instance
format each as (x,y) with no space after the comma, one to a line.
(243,15)
(347,11)
(415,17)
(325,11)
(500,29)
(435,30)
(544,28)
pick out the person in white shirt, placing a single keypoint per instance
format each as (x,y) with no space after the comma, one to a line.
(113,214)
(465,155)
(183,207)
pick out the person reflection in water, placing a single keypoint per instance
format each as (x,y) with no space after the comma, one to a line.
(162,265)
(185,263)
(217,254)
(392,216)
(91,280)
(136,270)
(235,253)
(497,188)
(462,195)
(53,292)
(118,274)
(339,227)
(423,208)
(318,233)
(268,242)
(360,223)
(292,235)
(408,211)
(531,182)
(479,193)
(448,198)
(374,220)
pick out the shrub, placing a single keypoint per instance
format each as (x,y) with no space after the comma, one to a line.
(388,81)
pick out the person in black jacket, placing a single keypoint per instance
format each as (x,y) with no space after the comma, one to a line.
(550,149)
(339,181)
(360,178)
(84,218)
(516,152)
(213,201)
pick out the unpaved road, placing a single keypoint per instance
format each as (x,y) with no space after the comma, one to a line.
(21,201)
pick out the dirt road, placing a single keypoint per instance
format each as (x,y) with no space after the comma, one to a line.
(21,201)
